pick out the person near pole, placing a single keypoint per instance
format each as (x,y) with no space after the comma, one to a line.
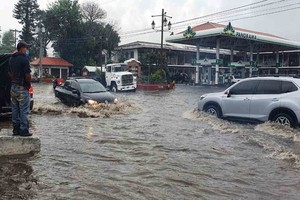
(19,73)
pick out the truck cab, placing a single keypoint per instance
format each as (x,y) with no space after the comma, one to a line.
(118,78)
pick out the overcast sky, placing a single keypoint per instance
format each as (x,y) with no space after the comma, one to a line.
(132,15)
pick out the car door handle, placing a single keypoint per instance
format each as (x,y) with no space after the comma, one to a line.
(246,99)
(275,99)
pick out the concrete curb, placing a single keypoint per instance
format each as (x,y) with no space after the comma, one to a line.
(16,145)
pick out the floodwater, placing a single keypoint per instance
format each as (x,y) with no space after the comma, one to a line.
(151,145)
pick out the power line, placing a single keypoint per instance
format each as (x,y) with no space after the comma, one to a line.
(212,14)
(232,15)
(225,11)
(251,12)
(106,2)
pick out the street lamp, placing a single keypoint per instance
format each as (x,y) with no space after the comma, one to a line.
(164,22)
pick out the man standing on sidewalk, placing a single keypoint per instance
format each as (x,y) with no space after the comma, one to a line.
(20,98)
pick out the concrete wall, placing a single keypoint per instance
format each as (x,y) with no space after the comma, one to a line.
(16,145)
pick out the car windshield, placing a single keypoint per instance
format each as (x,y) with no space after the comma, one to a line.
(92,87)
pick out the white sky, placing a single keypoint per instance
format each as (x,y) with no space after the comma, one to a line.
(131,15)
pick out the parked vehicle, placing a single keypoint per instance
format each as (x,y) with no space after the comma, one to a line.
(79,91)
(257,99)
(118,78)
(5,84)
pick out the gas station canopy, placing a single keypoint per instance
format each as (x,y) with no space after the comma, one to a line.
(206,35)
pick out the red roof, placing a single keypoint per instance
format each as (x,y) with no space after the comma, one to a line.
(210,25)
(51,61)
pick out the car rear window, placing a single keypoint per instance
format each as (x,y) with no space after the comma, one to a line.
(288,86)
(269,87)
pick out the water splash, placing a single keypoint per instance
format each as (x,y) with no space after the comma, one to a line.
(99,110)
(272,137)
(279,130)
(215,123)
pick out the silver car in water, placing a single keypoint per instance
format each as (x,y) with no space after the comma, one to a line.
(257,99)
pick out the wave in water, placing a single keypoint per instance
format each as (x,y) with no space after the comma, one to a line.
(278,140)
(100,110)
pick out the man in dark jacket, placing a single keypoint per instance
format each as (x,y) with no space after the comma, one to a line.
(20,83)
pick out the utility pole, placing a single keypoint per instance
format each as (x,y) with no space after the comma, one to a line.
(164,22)
(15,33)
(40,30)
(101,49)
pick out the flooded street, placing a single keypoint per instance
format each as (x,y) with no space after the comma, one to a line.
(151,145)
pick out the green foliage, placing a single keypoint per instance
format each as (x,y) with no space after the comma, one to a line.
(158,77)
(152,71)
(8,39)
(27,13)
(76,39)
(91,62)
(8,42)
(111,39)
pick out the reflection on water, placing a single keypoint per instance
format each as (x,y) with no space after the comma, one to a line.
(153,145)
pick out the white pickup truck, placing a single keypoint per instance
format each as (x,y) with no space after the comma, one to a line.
(118,78)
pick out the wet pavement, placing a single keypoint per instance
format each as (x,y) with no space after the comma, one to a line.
(151,145)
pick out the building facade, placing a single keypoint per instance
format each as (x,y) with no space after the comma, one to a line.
(50,67)
(180,59)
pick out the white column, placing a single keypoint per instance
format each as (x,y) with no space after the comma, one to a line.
(197,65)
(60,73)
(277,62)
(135,54)
(231,60)
(217,65)
(251,59)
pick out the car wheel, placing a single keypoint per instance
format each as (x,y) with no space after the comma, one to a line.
(114,88)
(284,119)
(213,110)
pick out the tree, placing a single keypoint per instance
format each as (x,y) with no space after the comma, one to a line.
(8,42)
(62,21)
(78,38)
(91,12)
(27,12)
(111,39)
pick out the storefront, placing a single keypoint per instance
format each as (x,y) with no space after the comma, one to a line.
(246,47)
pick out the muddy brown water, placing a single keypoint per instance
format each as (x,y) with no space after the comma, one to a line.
(151,145)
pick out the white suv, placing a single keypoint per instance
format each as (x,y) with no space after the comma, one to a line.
(257,99)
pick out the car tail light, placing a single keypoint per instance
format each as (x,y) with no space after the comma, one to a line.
(31,91)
